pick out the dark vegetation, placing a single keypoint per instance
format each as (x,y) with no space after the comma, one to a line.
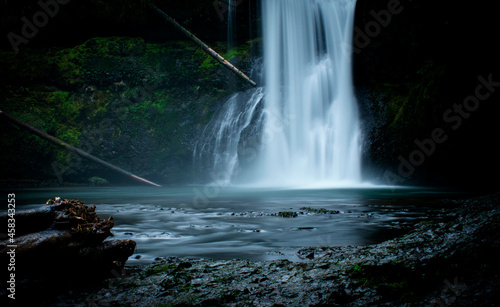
(113,78)
(424,62)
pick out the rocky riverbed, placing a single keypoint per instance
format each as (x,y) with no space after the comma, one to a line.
(451,263)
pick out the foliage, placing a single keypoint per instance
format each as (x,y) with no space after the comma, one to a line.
(95,181)
(127,101)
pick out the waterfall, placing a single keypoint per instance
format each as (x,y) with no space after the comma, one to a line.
(216,154)
(307,126)
(311,112)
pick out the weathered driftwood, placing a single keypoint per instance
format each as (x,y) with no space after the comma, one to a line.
(205,47)
(72,149)
(56,243)
(114,252)
(39,242)
(75,235)
(32,220)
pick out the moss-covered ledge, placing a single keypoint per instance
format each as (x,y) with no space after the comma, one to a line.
(133,103)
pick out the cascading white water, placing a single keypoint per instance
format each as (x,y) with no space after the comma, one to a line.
(312,126)
(216,154)
(309,126)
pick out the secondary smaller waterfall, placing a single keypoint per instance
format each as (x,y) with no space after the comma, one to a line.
(216,153)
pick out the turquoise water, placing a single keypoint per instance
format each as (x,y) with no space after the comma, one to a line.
(242,222)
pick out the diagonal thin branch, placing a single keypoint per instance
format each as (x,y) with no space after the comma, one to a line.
(205,47)
(72,149)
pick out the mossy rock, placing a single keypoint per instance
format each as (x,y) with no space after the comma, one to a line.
(287,214)
(320,210)
(97,181)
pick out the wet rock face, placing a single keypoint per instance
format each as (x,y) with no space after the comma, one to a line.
(436,262)
(132,103)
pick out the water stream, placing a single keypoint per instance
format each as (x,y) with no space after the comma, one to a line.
(240,222)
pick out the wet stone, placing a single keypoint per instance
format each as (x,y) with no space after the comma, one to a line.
(385,274)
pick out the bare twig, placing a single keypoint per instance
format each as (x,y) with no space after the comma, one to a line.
(205,47)
(72,149)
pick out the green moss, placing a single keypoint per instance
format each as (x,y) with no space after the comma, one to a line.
(68,64)
(160,269)
(208,63)
(358,269)
(240,52)
(320,211)
(115,46)
(95,181)
(100,104)
(56,113)
(150,111)
(111,92)
(68,106)
(287,214)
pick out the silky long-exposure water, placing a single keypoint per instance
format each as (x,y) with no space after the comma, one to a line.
(308,79)
(240,222)
(308,125)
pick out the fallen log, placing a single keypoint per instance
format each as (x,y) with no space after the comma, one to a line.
(32,220)
(205,47)
(57,246)
(75,237)
(114,252)
(72,149)
(39,243)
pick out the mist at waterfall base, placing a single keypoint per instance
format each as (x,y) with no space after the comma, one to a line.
(302,128)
